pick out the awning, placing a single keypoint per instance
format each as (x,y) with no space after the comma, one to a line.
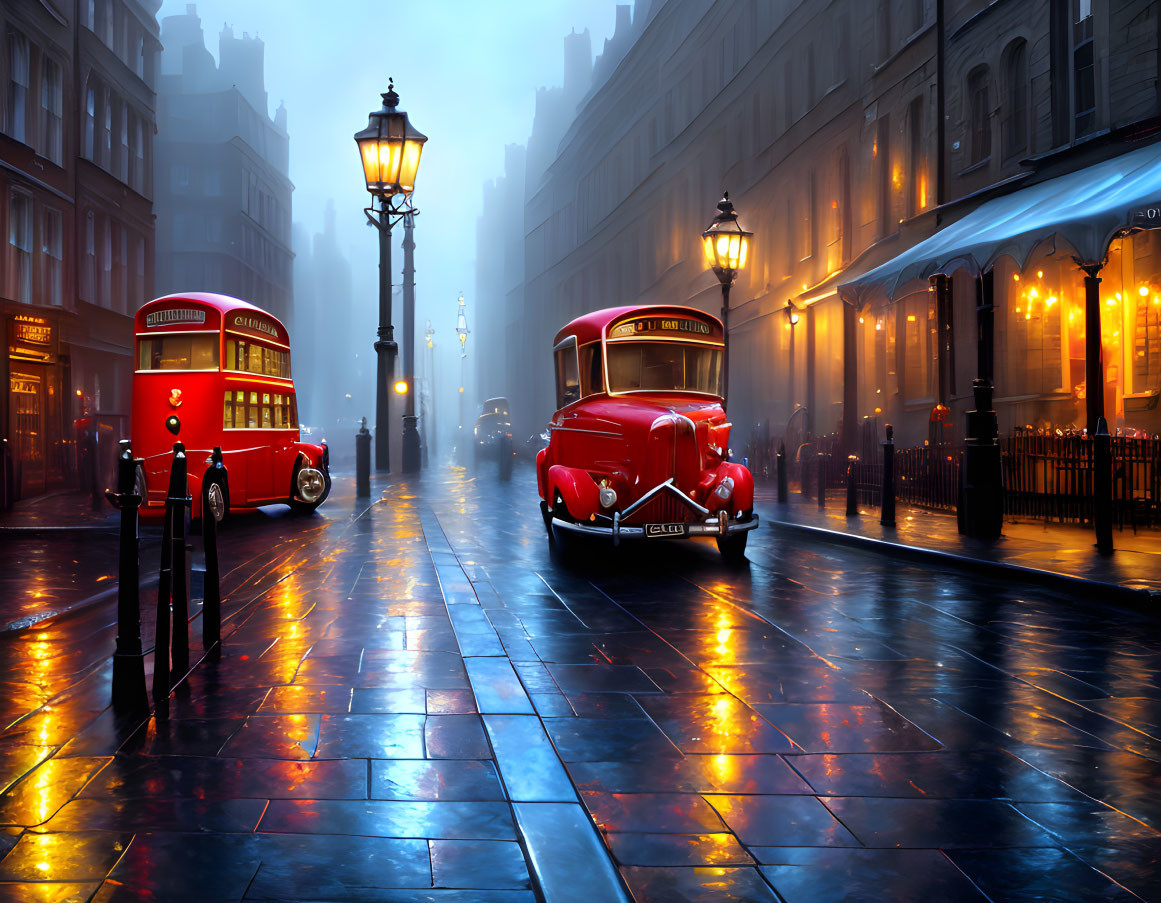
(1081,213)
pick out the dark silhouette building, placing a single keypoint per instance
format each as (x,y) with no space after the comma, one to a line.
(223,190)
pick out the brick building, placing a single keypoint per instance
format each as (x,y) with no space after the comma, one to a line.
(76,135)
(223,188)
(849,133)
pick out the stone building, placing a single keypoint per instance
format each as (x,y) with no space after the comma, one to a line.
(848,134)
(76,185)
(223,189)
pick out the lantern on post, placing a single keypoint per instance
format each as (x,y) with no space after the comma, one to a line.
(727,248)
(390,148)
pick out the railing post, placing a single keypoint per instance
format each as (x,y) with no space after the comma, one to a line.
(821,459)
(887,517)
(363,461)
(129,691)
(783,483)
(212,599)
(179,484)
(1102,487)
(982,482)
(852,490)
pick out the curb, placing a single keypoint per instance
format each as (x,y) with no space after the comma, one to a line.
(1139,597)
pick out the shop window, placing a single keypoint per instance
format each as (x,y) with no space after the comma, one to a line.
(979,114)
(52,255)
(1083,72)
(20,244)
(88,139)
(51,102)
(137,172)
(881,154)
(16,121)
(1016,99)
(916,171)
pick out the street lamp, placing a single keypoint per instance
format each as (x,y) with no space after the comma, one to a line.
(427,399)
(462,332)
(390,149)
(727,246)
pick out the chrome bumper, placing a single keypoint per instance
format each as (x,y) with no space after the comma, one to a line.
(710,527)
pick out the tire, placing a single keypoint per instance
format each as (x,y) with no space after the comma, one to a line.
(544,513)
(733,548)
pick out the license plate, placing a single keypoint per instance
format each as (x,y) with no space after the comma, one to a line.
(662,531)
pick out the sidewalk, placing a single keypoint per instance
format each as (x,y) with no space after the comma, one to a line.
(1060,555)
(63,509)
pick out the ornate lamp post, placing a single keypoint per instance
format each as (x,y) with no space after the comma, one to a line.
(727,247)
(462,332)
(429,394)
(390,148)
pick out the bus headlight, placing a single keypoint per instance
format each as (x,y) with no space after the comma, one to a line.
(608,497)
(725,489)
(311,484)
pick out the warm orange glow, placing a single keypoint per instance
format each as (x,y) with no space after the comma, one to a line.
(911,318)
(1039,274)
(401,387)
(923,192)
(1016,277)
(1050,300)
(1143,291)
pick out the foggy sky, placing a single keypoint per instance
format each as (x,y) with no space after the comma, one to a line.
(466,72)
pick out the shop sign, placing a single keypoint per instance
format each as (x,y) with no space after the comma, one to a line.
(30,338)
(1146,217)
(23,386)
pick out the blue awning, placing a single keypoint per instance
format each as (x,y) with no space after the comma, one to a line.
(1079,214)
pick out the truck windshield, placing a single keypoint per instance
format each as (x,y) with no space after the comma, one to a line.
(664,366)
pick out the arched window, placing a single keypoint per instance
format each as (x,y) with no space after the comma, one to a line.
(1015,98)
(979,102)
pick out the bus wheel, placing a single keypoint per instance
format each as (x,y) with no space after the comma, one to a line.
(733,548)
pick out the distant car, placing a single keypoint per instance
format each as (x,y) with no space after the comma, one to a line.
(493,435)
(639,445)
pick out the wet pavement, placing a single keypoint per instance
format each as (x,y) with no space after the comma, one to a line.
(417,700)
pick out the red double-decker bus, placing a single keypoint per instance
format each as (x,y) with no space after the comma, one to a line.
(211,370)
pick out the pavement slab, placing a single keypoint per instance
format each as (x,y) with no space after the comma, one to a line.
(417,699)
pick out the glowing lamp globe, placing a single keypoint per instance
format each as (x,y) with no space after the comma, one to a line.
(390,147)
(726,243)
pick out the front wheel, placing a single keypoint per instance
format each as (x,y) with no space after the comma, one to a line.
(733,548)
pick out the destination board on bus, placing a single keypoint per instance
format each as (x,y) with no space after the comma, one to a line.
(664,327)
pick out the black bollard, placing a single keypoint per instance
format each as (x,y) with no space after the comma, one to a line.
(783,483)
(887,502)
(363,461)
(129,691)
(212,600)
(180,562)
(161,636)
(852,489)
(821,459)
(1102,487)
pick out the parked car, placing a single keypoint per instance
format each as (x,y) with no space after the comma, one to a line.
(492,435)
(639,445)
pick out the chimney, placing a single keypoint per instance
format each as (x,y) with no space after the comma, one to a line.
(241,64)
(578,66)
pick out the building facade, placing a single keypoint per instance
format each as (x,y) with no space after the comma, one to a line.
(847,133)
(223,189)
(76,144)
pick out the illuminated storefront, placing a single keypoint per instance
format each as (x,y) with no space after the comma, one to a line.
(39,453)
(1023,258)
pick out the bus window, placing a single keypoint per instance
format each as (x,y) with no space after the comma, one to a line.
(247,357)
(177,352)
(252,411)
(279,419)
(267,422)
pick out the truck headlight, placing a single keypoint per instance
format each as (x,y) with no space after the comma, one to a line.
(725,489)
(608,497)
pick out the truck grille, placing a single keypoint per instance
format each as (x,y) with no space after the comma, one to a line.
(663,508)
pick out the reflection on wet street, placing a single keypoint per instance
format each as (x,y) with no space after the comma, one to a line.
(418,699)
